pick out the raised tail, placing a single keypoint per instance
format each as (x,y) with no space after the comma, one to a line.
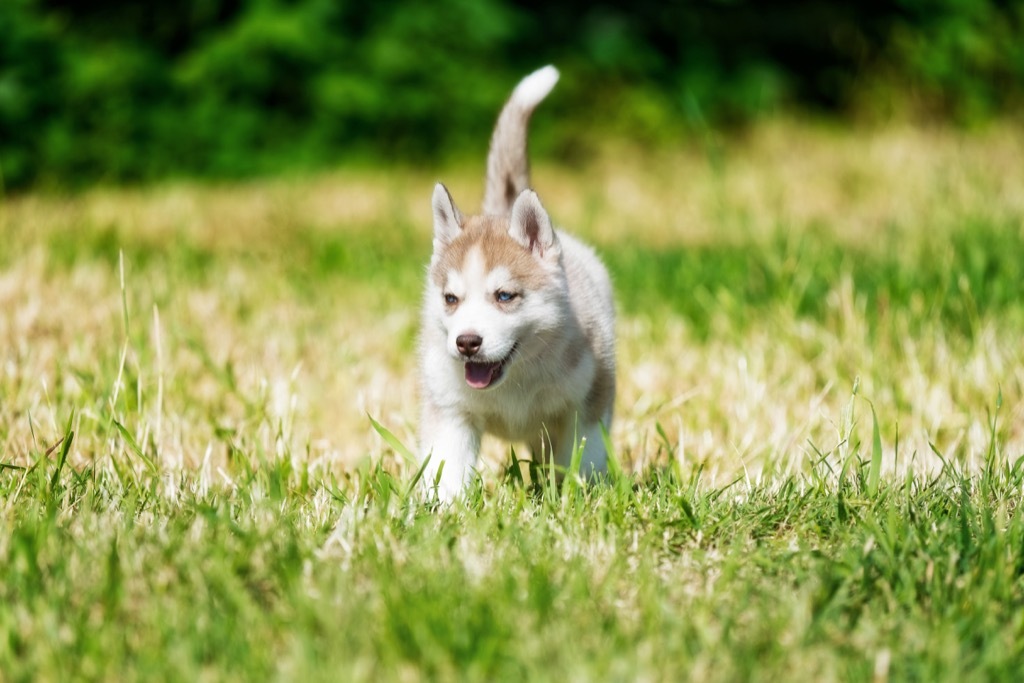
(508,169)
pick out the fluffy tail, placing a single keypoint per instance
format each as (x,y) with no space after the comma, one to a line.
(508,169)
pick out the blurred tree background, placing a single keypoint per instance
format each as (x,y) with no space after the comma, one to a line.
(123,91)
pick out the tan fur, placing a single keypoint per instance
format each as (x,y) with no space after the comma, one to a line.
(490,234)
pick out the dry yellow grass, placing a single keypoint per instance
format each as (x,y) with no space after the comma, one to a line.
(227,352)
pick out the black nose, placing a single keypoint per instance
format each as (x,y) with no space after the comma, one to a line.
(469,344)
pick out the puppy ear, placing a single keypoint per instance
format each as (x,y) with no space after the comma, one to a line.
(447,219)
(530,225)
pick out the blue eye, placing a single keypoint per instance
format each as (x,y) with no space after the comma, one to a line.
(451,299)
(504,297)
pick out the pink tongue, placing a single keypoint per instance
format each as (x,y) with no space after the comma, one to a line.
(479,375)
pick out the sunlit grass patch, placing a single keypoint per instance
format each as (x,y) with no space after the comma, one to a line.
(284,573)
(954,281)
(752,290)
(820,420)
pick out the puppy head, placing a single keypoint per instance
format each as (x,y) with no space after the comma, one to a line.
(495,283)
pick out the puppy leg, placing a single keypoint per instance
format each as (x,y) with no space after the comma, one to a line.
(453,444)
(594,459)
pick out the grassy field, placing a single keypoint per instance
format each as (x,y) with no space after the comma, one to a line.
(819,426)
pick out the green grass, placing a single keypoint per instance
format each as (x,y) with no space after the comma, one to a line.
(952,282)
(974,272)
(206,392)
(818,576)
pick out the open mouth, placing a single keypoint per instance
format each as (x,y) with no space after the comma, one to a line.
(483,375)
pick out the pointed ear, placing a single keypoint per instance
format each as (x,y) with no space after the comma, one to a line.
(447,219)
(530,225)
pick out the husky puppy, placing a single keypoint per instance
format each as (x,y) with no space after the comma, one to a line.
(517,336)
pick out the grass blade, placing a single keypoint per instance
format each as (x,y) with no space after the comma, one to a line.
(62,458)
(416,478)
(515,473)
(875,469)
(614,464)
(394,442)
(133,446)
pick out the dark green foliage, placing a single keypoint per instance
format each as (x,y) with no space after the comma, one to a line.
(967,58)
(113,90)
(31,65)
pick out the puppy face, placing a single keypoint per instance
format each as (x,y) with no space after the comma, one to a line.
(494,298)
